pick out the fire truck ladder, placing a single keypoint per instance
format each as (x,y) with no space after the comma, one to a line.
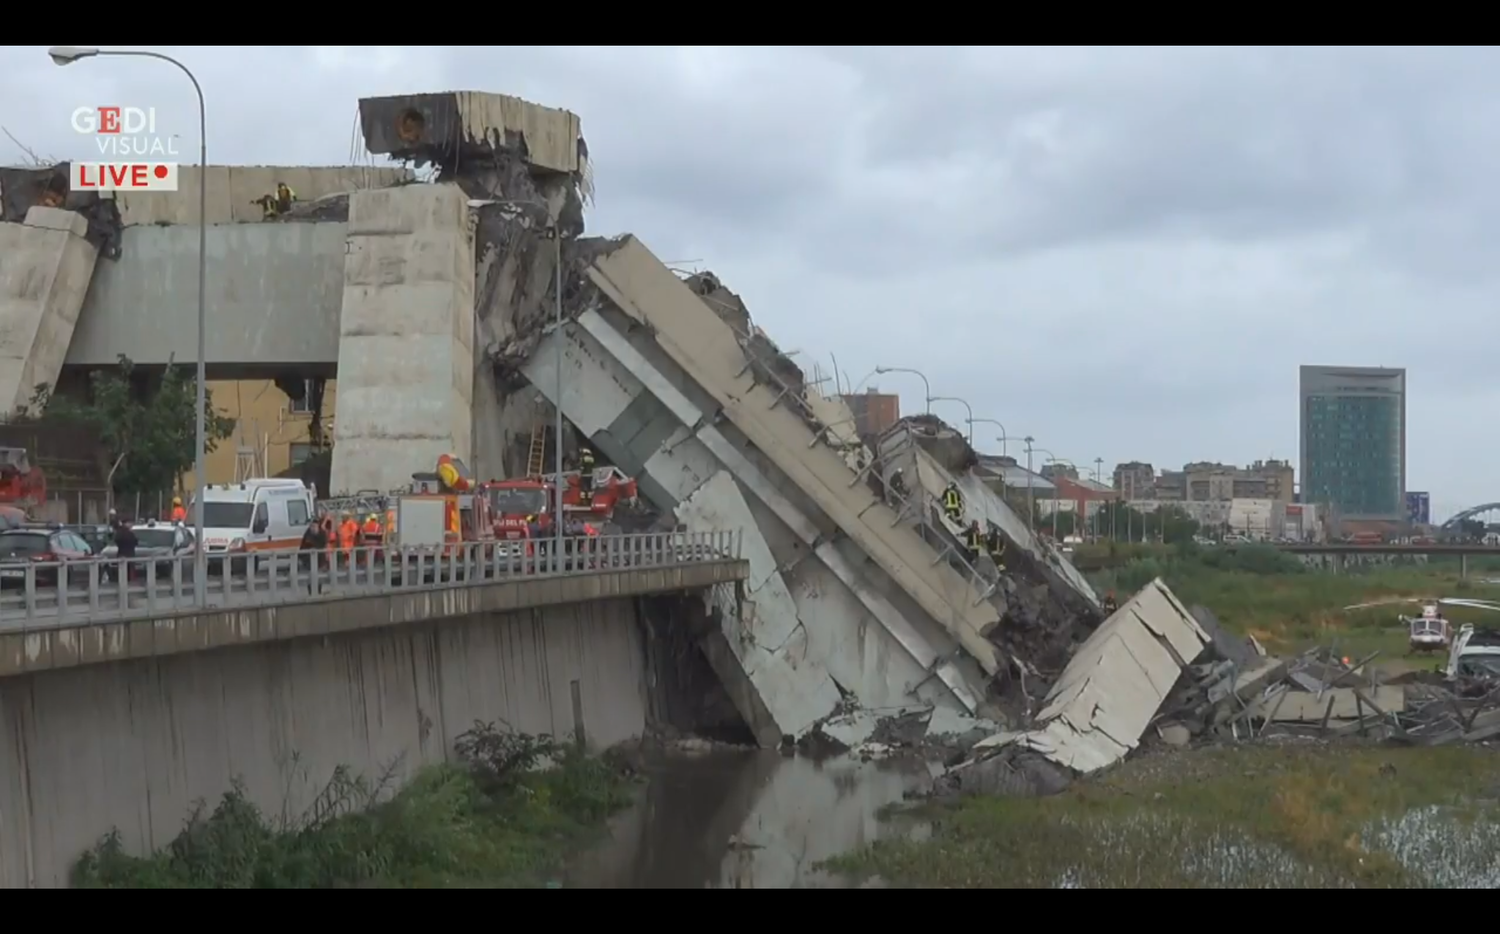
(536,458)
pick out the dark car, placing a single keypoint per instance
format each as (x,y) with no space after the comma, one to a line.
(45,548)
(160,541)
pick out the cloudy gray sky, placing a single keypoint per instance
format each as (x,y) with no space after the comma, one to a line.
(1123,252)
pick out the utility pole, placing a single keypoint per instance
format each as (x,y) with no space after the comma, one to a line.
(1030,500)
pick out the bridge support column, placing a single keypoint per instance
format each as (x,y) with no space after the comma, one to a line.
(1463,567)
(406,331)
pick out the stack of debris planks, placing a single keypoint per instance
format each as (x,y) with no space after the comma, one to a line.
(1323,694)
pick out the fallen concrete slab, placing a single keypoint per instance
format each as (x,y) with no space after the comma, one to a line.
(1109,693)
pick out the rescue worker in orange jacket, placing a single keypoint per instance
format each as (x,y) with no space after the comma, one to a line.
(371,529)
(179,514)
(348,534)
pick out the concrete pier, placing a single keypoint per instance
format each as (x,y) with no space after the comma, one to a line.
(45,268)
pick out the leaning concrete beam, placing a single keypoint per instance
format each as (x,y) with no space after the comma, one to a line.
(657,435)
(45,269)
(708,352)
(765,637)
(802,525)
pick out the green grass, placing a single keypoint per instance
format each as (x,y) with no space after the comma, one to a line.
(493,819)
(1288,816)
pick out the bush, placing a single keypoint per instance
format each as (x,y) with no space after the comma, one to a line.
(505,814)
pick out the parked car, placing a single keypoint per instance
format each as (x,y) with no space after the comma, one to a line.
(161,541)
(53,550)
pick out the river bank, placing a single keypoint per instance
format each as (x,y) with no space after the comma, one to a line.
(1287,815)
(492,819)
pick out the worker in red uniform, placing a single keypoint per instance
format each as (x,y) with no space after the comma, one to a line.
(179,514)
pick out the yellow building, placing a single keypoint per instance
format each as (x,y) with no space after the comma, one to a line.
(270,434)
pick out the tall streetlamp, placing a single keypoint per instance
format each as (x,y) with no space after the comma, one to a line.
(1099,479)
(557,425)
(1030,501)
(67,55)
(963,402)
(1054,459)
(989,421)
(926,386)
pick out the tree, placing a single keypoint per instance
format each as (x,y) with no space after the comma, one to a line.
(149,441)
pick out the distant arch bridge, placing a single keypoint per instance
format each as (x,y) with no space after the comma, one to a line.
(1473,512)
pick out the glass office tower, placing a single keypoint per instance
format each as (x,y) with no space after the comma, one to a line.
(1353,440)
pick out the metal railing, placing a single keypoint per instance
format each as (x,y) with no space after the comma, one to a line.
(34,593)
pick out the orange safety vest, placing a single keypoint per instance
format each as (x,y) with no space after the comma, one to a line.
(347,533)
(372,527)
(179,514)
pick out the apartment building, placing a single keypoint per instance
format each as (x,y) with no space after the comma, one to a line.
(874,412)
(1135,480)
(271,430)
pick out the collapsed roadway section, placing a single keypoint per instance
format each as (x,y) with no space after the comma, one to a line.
(856,598)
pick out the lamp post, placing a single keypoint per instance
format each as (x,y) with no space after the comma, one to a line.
(67,55)
(557,425)
(1030,501)
(963,402)
(926,386)
(1054,459)
(1099,479)
(989,421)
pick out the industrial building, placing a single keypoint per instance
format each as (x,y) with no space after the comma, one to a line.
(1353,441)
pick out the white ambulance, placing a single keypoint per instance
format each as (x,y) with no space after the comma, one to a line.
(254,517)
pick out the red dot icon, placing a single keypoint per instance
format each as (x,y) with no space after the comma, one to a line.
(161,171)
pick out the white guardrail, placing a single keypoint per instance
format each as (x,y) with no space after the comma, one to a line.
(34,594)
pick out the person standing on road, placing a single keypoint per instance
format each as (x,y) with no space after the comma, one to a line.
(314,540)
(125,545)
(179,514)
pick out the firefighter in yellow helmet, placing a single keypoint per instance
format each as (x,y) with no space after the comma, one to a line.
(179,514)
(953,504)
(371,529)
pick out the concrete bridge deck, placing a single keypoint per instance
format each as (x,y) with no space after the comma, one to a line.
(94,620)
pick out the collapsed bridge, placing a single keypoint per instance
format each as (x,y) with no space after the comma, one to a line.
(441,320)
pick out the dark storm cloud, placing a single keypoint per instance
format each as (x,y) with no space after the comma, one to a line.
(1125,252)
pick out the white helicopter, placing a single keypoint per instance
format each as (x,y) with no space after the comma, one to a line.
(1430,630)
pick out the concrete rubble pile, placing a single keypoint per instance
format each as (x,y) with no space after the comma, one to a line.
(1101,708)
(1320,694)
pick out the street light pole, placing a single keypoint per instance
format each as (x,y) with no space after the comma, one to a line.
(926,386)
(1030,497)
(990,421)
(557,425)
(1099,479)
(1054,459)
(967,407)
(67,55)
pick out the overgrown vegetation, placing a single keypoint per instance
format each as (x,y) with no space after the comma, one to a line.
(1252,816)
(506,814)
(147,429)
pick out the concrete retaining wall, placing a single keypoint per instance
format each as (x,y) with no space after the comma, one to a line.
(132,744)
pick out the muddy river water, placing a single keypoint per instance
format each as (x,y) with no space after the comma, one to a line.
(749,819)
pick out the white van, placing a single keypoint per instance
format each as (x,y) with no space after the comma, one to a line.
(255,516)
